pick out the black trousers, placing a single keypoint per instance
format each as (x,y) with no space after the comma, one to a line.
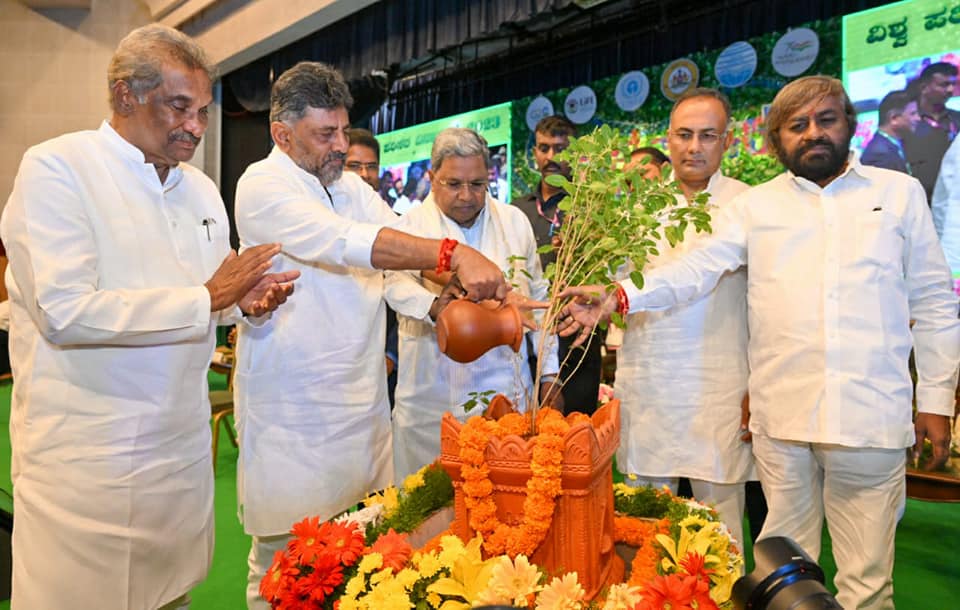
(581,385)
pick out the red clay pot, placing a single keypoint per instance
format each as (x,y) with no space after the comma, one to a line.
(467,330)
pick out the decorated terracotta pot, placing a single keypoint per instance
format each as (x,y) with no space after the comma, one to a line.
(467,330)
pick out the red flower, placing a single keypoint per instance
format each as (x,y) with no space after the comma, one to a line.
(343,540)
(306,541)
(672,592)
(279,578)
(394,548)
(326,576)
(695,565)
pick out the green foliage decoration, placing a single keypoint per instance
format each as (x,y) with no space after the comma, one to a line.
(413,507)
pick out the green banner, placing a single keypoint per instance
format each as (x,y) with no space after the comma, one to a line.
(899,31)
(414,143)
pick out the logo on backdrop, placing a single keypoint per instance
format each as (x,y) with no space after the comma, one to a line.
(580,105)
(736,64)
(795,52)
(539,108)
(679,76)
(632,90)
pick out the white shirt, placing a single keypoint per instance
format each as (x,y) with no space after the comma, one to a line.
(834,276)
(682,373)
(110,339)
(946,206)
(310,387)
(429,383)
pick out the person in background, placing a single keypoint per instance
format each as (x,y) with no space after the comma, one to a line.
(898,118)
(580,368)
(682,373)
(459,207)
(363,159)
(650,159)
(841,259)
(120,272)
(938,125)
(312,415)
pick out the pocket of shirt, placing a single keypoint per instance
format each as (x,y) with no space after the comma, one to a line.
(214,241)
(877,238)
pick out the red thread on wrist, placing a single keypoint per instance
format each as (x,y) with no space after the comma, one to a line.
(446,254)
(623,303)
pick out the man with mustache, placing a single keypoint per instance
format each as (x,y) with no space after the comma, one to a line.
(682,373)
(311,394)
(121,271)
(580,366)
(841,259)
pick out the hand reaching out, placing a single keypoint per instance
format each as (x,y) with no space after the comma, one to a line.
(588,306)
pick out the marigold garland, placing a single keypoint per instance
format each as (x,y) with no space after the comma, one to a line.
(642,534)
(543,486)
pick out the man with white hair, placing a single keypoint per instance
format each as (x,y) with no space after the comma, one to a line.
(312,411)
(120,271)
(460,207)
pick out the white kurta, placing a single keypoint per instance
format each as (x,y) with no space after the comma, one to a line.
(946,205)
(682,373)
(110,340)
(310,387)
(835,276)
(429,383)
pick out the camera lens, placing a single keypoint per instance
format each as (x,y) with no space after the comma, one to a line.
(784,578)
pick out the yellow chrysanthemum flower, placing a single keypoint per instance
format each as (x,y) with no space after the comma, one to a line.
(355,586)
(408,577)
(413,481)
(451,550)
(370,562)
(380,576)
(428,565)
(389,498)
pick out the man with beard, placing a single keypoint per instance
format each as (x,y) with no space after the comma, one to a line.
(840,259)
(311,393)
(580,367)
(120,272)
(938,125)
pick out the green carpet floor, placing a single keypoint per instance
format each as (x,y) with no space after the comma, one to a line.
(926,576)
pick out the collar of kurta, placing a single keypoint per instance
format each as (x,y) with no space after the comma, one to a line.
(854,170)
(711,184)
(135,156)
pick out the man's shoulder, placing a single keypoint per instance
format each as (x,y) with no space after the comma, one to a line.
(69,146)
(526,203)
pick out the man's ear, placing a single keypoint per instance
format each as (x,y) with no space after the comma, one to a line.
(728,139)
(280,132)
(124,101)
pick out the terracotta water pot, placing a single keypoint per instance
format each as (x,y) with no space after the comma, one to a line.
(467,330)
(580,537)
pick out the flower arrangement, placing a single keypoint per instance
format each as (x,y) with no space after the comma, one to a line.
(684,559)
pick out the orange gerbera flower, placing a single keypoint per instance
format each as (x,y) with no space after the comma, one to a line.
(279,578)
(394,548)
(306,541)
(342,540)
(326,576)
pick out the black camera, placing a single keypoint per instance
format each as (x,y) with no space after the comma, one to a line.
(783,578)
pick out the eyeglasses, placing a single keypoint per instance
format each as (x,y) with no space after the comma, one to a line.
(356,166)
(474,186)
(707,138)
